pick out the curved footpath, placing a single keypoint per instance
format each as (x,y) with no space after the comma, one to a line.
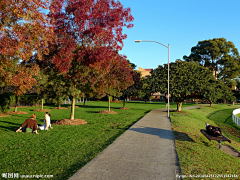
(146,151)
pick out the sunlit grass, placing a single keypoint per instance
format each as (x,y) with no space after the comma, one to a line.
(197,155)
(65,149)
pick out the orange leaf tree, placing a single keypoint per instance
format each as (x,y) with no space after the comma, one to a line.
(24,29)
(118,78)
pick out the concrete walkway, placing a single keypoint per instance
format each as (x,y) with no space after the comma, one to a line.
(146,151)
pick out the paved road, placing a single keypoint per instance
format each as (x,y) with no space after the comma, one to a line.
(146,151)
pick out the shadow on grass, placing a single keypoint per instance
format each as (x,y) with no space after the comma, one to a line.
(215,116)
(10,126)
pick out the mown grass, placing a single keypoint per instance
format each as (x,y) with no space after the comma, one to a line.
(199,156)
(65,149)
(238,115)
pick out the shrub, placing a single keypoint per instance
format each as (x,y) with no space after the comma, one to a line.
(5,102)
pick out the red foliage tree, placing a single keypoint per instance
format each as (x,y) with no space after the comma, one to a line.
(24,29)
(118,78)
(20,84)
(88,33)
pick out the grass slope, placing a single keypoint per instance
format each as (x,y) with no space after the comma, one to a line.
(199,156)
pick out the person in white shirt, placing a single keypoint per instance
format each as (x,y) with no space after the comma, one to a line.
(47,123)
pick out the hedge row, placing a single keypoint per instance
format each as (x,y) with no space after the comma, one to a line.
(8,99)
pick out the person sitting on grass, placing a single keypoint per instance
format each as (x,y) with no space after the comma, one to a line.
(47,123)
(29,126)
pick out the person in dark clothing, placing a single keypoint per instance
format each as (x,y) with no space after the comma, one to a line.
(30,125)
(213,130)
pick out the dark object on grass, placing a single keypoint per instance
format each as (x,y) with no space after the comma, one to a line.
(219,138)
(213,130)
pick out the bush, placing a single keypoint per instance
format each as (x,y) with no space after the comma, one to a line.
(25,100)
(30,100)
(5,102)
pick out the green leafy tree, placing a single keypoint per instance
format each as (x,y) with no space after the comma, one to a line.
(227,92)
(135,88)
(219,55)
(186,79)
(215,90)
(146,90)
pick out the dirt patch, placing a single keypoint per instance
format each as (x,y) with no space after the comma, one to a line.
(26,106)
(210,106)
(124,108)
(18,112)
(70,122)
(4,115)
(115,101)
(42,110)
(183,112)
(108,112)
(60,108)
(74,106)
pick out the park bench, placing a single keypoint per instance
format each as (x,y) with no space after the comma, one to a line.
(219,138)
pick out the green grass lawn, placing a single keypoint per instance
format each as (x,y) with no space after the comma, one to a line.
(238,115)
(65,149)
(197,155)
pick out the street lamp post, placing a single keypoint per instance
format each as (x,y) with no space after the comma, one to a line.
(168,46)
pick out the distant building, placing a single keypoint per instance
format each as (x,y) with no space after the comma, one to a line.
(144,72)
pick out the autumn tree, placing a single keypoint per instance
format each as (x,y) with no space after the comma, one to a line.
(185,80)
(24,28)
(119,78)
(219,55)
(20,84)
(88,32)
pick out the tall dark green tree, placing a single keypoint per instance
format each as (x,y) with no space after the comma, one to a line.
(134,90)
(219,55)
(187,79)
(216,90)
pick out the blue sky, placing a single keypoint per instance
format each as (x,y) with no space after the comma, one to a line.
(180,23)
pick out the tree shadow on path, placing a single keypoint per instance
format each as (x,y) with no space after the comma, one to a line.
(163,133)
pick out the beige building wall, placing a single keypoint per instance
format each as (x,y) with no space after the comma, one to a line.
(144,72)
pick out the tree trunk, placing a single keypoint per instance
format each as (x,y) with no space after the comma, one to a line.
(109,103)
(72,109)
(124,102)
(179,106)
(15,110)
(210,103)
(42,103)
(84,101)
